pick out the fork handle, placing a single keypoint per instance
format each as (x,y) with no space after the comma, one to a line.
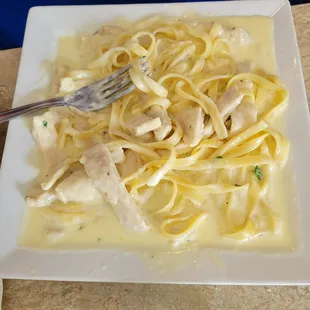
(12,113)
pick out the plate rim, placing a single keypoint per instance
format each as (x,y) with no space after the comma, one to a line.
(9,261)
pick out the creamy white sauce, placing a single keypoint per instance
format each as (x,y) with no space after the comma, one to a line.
(106,231)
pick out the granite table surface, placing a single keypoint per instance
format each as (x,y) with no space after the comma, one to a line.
(22,294)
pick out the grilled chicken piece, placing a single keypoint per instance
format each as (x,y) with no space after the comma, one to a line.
(232,103)
(45,134)
(131,164)
(141,124)
(53,176)
(158,111)
(208,129)
(100,168)
(118,155)
(77,187)
(191,120)
(236,36)
(243,117)
(229,101)
(43,200)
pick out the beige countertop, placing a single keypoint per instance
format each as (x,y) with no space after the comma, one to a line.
(21,294)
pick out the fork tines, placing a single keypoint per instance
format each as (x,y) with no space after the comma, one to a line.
(119,83)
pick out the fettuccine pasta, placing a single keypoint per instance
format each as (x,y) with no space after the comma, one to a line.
(198,126)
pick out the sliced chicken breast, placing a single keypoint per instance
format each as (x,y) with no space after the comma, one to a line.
(131,164)
(100,168)
(229,101)
(208,130)
(42,200)
(141,124)
(53,176)
(236,36)
(45,134)
(44,130)
(158,111)
(191,120)
(77,187)
(118,155)
(243,117)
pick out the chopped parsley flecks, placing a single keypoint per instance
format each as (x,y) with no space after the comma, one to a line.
(219,157)
(258,172)
(45,123)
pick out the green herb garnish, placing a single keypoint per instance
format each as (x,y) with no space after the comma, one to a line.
(219,157)
(45,123)
(81,227)
(98,239)
(238,185)
(258,172)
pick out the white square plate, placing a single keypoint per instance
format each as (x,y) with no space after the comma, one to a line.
(45,25)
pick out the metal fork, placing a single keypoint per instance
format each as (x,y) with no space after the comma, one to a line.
(93,97)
